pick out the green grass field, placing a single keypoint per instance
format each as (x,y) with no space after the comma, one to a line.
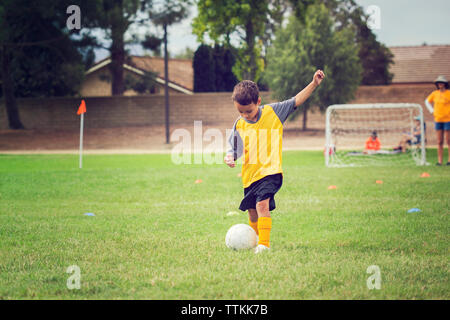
(158,235)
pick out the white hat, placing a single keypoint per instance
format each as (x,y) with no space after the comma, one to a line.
(441,79)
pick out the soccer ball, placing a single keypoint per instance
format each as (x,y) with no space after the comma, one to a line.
(240,237)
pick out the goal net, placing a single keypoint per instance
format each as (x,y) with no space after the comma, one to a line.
(375,134)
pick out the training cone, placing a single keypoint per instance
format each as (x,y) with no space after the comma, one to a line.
(425,175)
(332,187)
(379,182)
(239,174)
(198,181)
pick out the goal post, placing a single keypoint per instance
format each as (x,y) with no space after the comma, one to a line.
(349,126)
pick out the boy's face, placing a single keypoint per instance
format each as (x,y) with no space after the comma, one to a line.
(248,112)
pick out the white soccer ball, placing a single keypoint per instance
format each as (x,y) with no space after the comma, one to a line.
(240,237)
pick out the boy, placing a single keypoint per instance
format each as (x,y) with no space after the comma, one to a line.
(257,136)
(373,144)
(414,139)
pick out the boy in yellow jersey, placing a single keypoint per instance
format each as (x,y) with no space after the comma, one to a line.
(441,112)
(257,136)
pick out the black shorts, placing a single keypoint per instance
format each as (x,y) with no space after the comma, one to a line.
(261,190)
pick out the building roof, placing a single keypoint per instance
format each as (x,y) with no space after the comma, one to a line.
(180,70)
(420,64)
(181,73)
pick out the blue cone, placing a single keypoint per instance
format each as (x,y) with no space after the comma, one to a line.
(414,210)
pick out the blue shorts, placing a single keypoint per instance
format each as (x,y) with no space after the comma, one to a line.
(442,125)
(415,141)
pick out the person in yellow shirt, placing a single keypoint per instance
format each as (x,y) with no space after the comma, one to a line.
(257,137)
(440,109)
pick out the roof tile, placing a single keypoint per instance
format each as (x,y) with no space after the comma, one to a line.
(180,70)
(418,64)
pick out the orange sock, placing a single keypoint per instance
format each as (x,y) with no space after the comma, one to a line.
(264,227)
(254,225)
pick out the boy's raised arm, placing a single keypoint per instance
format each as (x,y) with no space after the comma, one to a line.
(303,95)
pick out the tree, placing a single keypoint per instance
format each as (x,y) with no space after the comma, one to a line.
(299,49)
(115,17)
(224,62)
(204,69)
(375,57)
(39,57)
(213,69)
(8,91)
(246,20)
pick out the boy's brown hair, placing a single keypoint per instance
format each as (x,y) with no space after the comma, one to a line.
(245,93)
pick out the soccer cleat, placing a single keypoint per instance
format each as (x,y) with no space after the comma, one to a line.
(260,248)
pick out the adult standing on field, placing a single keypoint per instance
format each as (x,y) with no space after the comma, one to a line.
(441,112)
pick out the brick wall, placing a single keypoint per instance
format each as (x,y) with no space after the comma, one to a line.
(211,108)
(104,112)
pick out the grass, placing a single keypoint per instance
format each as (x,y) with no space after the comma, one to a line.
(158,235)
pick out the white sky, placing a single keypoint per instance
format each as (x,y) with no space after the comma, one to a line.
(402,22)
(412,22)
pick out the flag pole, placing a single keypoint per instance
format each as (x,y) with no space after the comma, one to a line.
(81,140)
(81,111)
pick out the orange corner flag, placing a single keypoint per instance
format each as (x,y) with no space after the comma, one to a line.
(82,108)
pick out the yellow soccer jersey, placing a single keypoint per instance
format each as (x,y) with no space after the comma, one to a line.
(441,105)
(260,142)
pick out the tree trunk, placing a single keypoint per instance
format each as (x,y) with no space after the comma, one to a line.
(250,39)
(305,118)
(117,52)
(8,91)
(166,85)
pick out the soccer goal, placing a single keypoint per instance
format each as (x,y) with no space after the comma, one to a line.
(350,126)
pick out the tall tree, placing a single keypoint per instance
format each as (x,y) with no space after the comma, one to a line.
(8,90)
(38,55)
(213,69)
(204,69)
(301,48)
(221,20)
(115,17)
(224,62)
(375,57)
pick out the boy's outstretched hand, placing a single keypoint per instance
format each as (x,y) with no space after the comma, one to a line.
(229,160)
(318,77)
